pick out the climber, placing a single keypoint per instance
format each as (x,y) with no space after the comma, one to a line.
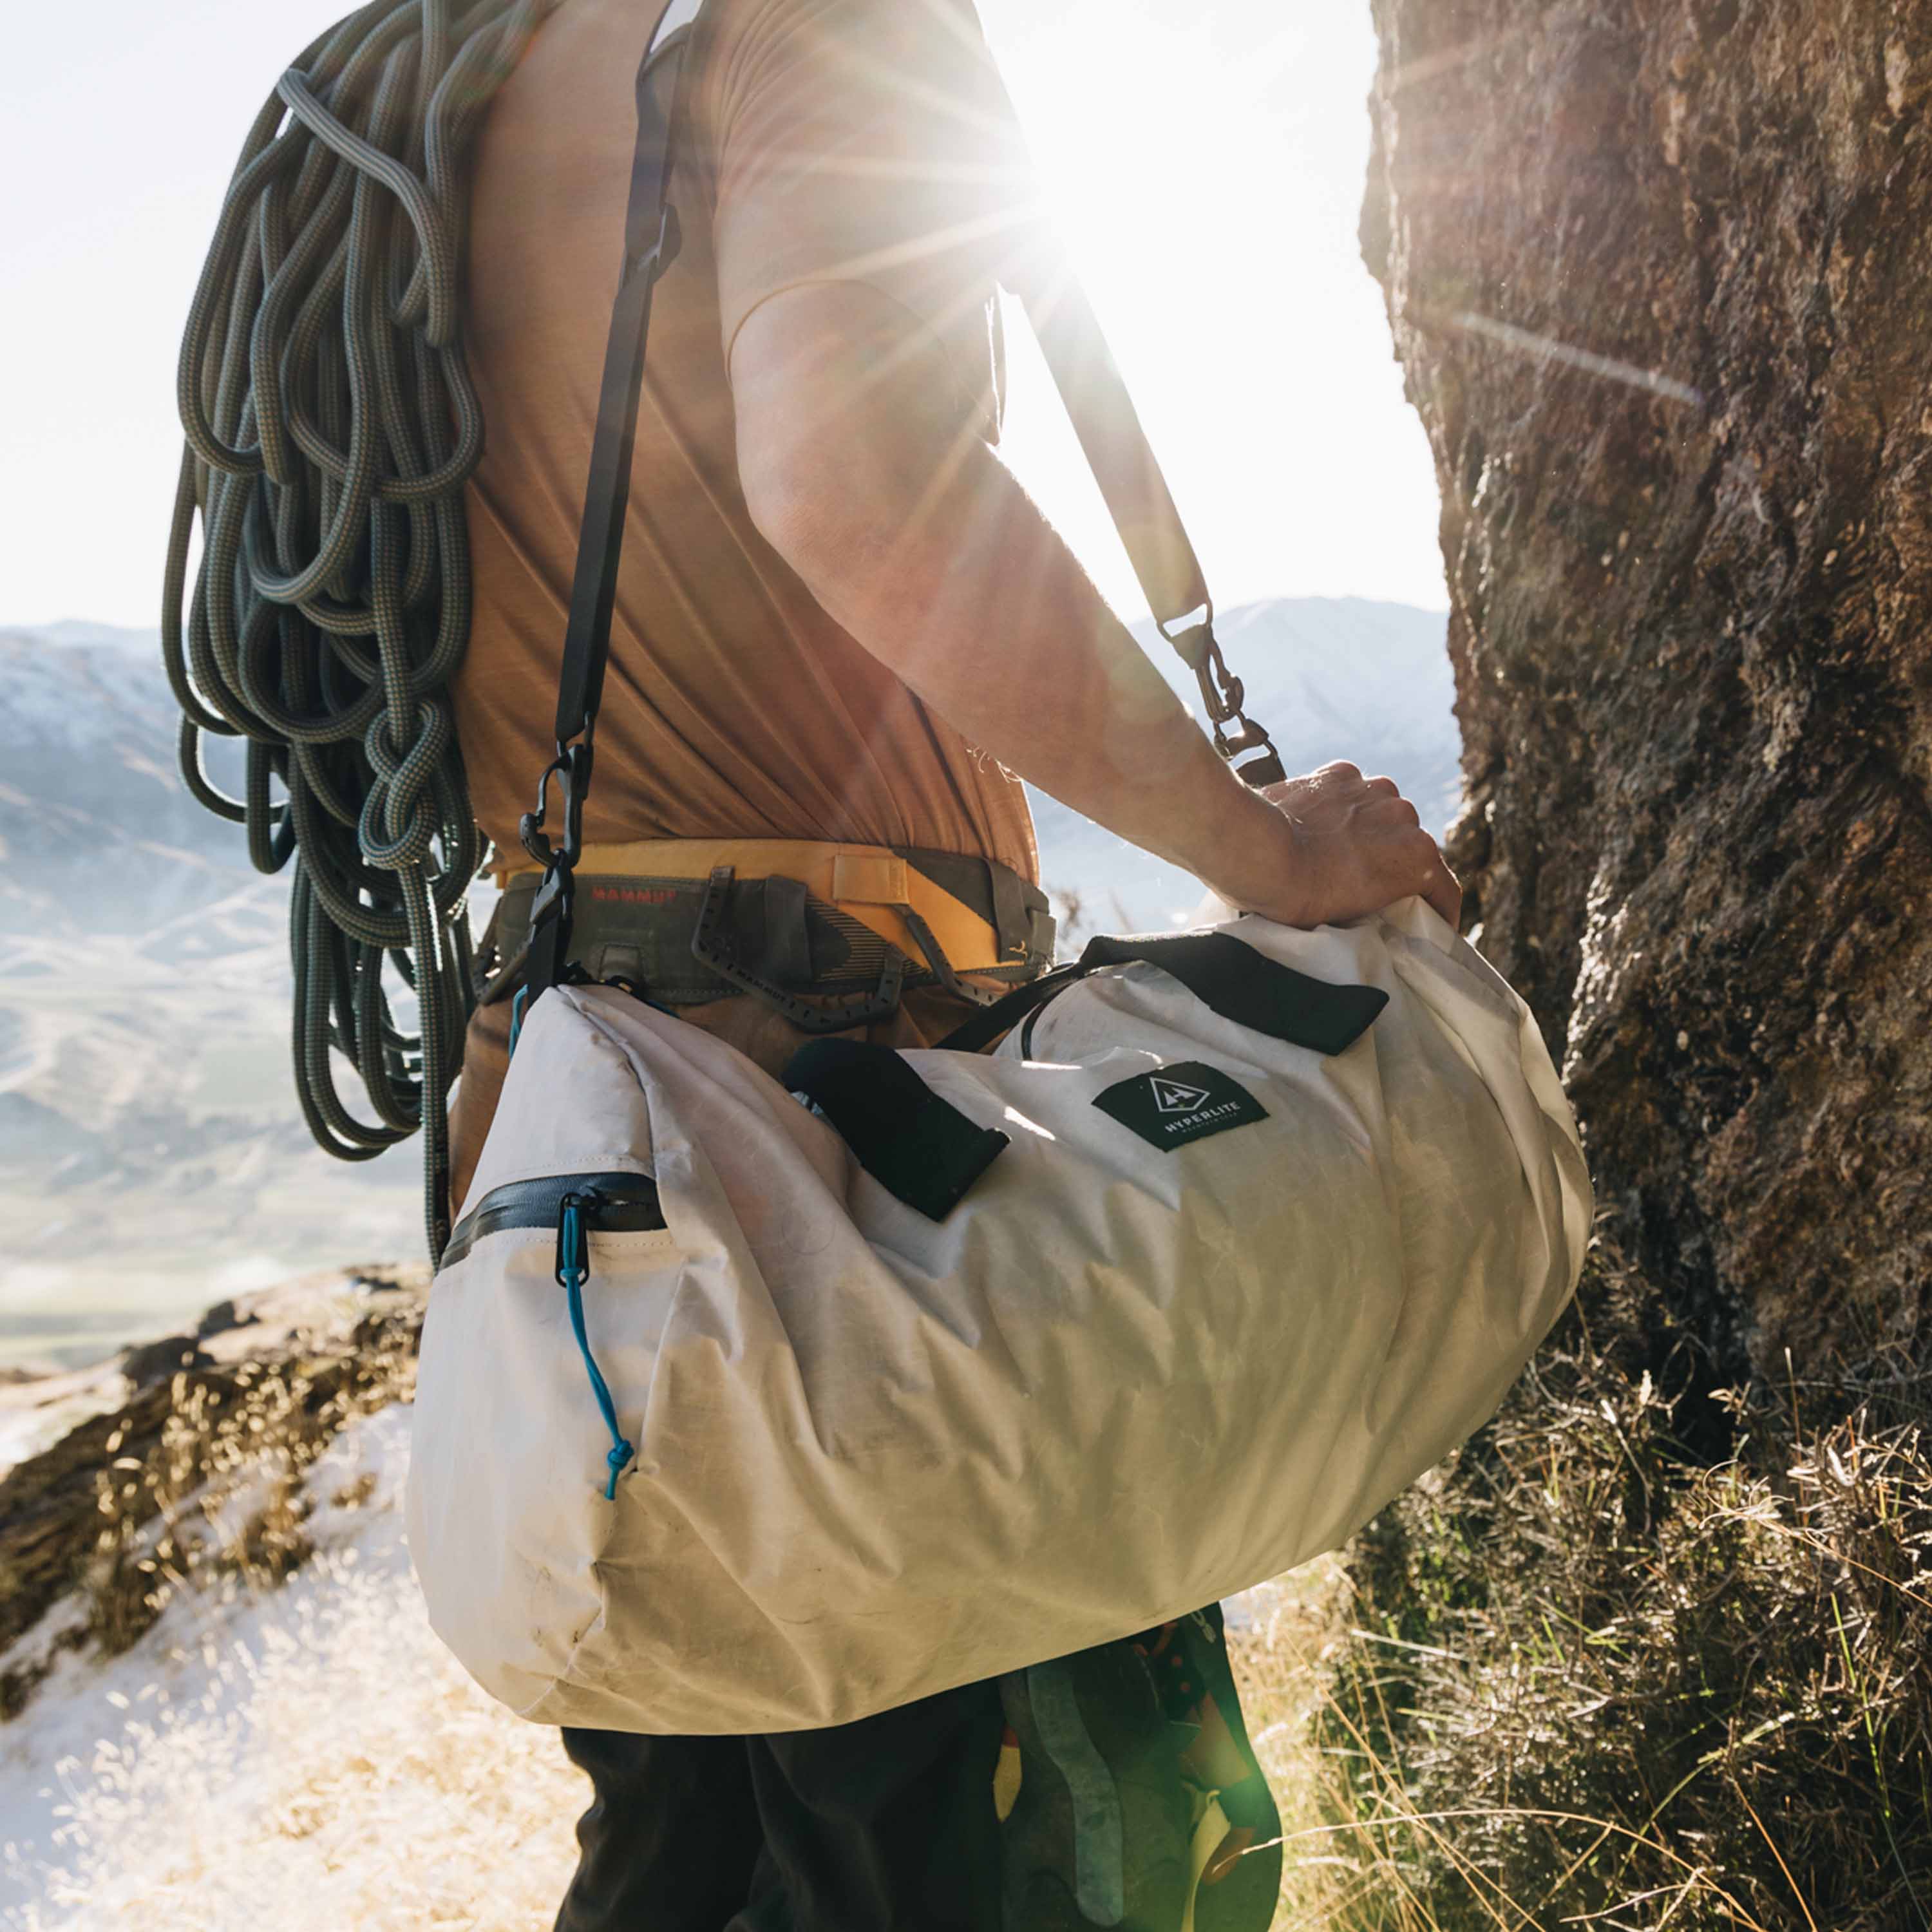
(840,624)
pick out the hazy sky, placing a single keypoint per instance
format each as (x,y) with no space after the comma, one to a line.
(1206,162)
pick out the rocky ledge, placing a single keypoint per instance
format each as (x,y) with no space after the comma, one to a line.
(119,1481)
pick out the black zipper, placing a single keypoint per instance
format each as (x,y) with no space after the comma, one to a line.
(610,1203)
(1032,1020)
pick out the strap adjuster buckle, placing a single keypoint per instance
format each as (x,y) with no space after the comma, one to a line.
(1225,698)
(1260,771)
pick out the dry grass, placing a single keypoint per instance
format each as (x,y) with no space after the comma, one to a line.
(221,1487)
(1591,1673)
(199,1470)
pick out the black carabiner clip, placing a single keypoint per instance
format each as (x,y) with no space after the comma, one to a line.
(573,763)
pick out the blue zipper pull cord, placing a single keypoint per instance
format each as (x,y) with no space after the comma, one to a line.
(573,1270)
(516,1006)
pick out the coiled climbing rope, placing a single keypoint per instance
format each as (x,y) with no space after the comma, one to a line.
(330,426)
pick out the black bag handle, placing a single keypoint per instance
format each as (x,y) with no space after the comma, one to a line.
(915,1144)
(1222,973)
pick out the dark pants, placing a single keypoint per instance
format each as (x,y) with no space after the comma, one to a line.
(884,1825)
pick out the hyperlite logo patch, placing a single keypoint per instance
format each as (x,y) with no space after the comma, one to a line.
(1185,1101)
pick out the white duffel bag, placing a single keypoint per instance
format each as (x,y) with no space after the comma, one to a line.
(728,1422)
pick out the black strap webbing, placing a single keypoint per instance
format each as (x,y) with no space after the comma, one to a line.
(1097,399)
(651,239)
(1251,989)
(914,1144)
(1231,978)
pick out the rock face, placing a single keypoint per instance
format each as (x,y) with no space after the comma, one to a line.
(1658,272)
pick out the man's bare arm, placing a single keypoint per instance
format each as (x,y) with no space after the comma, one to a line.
(863,469)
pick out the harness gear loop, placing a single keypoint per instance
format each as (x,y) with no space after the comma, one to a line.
(833,1013)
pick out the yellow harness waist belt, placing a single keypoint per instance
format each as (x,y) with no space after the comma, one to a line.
(948,913)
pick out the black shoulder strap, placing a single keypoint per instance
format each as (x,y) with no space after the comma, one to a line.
(1095,396)
(651,242)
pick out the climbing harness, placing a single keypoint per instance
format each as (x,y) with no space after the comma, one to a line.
(330,425)
(791,920)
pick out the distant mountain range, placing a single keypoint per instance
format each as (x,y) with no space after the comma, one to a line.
(152,1155)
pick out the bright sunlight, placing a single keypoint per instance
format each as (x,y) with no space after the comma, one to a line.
(1207,165)
(1207,170)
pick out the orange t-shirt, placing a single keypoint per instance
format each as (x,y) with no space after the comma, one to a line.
(828,140)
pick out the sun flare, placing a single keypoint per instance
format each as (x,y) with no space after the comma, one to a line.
(1206,171)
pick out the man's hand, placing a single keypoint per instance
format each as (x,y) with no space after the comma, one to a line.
(1350,846)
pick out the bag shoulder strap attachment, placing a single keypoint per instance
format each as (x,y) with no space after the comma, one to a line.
(652,239)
